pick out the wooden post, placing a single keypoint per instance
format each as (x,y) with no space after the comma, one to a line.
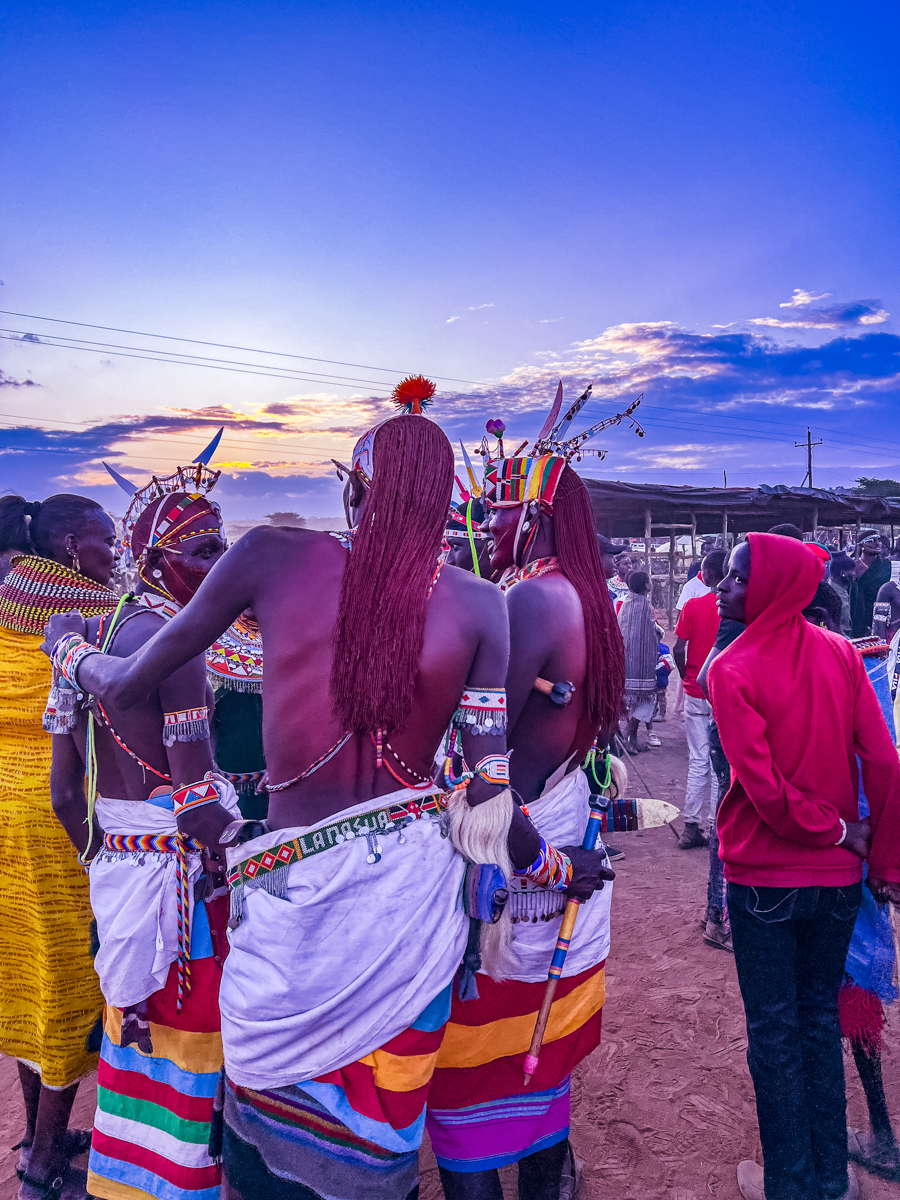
(648,536)
(693,535)
(671,576)
(725,529)
(815,520)
(856,548)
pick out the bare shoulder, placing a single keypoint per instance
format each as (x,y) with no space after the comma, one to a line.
(542,596)
(135,632)
(478,595)
(265,540)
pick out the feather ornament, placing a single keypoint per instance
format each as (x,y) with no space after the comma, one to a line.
(413,394)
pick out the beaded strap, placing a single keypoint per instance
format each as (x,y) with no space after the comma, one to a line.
(194,795)
(551,869)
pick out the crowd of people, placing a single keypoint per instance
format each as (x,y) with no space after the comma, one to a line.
(293,829)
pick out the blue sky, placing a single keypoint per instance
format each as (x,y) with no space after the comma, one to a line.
(696,201)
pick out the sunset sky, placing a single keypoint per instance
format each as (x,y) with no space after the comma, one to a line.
(696,201)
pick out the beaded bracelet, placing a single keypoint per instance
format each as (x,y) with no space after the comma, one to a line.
(494,768)
(195,795)
(69,653)
(551,869)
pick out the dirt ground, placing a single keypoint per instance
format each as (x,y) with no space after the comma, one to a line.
(664,1109)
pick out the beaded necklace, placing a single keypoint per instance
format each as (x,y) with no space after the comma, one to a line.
(163,608)
(532,570)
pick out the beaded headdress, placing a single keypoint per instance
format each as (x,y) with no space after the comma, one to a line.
(412,395)
(191,483)
(510,481)
(189,514)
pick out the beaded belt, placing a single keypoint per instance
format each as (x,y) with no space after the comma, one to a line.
(267,868)
(180,846)
(149,843)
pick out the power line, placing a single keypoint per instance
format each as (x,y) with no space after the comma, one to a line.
(177,356)
(225,346)
(266,374)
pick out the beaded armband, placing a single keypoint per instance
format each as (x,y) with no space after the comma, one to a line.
(189,725)
(482,711)
(551,869)
(195,795)
(68,655)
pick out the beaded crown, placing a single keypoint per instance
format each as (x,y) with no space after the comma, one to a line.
(189,483)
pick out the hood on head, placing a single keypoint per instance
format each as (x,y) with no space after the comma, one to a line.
(784,575)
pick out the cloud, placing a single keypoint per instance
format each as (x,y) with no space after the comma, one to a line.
(8,381)
(694,385)
(476,307)
(834,316)
(801,298)
(550,320)
(281,408)
(450,320)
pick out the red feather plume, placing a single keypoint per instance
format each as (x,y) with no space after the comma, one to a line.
(413,394)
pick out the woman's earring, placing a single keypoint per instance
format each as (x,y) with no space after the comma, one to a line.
(157,574)
(76,565)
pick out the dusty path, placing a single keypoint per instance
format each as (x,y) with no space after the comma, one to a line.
(664,1109)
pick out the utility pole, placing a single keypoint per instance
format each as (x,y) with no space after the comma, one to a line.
(809,444)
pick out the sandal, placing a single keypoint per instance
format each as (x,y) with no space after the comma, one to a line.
(40,1189)
(75,1143)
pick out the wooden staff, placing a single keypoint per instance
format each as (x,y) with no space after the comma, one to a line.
(591,834)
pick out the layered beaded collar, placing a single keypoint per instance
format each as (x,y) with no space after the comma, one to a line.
(36,589)
(532,570)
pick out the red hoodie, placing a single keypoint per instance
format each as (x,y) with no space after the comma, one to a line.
(794,708)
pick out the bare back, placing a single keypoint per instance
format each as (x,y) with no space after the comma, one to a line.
(291,578)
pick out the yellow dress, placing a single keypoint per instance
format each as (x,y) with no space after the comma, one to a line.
(50,1000)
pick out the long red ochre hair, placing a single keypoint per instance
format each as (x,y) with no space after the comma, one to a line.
(380,625)
(579,560)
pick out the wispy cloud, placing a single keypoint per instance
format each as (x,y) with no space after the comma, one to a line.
(450,320)
(7,381)
(832,316)
(801,298)
(549,320)
(477,307)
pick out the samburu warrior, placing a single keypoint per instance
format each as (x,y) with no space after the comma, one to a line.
(563,632)
(161,947)
(347,922)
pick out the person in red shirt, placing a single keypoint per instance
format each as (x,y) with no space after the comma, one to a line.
(797,717)
(695,634)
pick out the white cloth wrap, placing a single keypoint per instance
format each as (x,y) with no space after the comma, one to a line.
(349,959)
(134,902)
(560,817)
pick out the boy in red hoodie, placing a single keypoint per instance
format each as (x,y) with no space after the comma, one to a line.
(795,711)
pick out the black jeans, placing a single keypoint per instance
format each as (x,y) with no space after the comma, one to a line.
(715,886)
(790,945)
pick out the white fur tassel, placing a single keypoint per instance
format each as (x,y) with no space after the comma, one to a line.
(480,834)
(618,774)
